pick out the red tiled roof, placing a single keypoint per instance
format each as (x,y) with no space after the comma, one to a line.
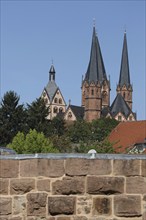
(126,134)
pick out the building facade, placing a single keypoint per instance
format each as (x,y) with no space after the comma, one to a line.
(53,96)
(96,87)
(95,90)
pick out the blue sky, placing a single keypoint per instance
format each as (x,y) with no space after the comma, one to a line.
(35,32)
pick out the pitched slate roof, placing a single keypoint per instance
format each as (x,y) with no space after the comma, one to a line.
(124,78)
(119,105)
(126,134)
(96,70)
(78,111)
(51,87)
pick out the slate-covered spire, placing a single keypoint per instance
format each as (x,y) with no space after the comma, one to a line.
(124,71)
(52,73)
(96,70)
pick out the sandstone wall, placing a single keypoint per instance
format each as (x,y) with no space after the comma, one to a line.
(73,189)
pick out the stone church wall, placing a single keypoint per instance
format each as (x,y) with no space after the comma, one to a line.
(109,187)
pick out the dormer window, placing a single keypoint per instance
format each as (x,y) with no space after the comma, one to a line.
(119,118)
(69,115)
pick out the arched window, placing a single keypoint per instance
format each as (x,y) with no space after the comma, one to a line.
(60,101)
(92,92)
(60,109)
(69,115)
(55,100)
(55,110)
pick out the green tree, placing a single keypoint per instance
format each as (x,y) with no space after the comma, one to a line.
(37,114)
(18,143)
(57,126)
(101,128)
(33,142)
(100,147)
(79,131)
(12,117)
(62,143)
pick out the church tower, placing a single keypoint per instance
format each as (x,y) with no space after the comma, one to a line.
(53,97)
(95,86)
(124,86)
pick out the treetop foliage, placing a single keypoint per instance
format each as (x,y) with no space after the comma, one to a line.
(27,129)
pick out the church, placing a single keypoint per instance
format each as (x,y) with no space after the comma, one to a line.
(95,91)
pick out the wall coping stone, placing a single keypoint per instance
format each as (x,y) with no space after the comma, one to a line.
(74,155)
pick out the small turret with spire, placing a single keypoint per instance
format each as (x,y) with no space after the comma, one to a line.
(52,73)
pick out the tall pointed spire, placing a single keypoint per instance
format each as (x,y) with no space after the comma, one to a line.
(124,71)
(96,70)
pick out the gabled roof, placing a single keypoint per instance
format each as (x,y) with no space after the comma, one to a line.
(51,89)
(120,105)
(96,70)
(127,134)
(105,111)
(77,110)
(124,78)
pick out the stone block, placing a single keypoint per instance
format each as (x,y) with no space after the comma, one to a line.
(87,167)
(99,167)
(4,186)
(3,218)
(64,218)
(9,168)
(144,197)
(51,167)
(105,185)
(51,218)
(5,206)
(29,168)
(79,218)
(102,206)
(84,205)
(36,204)
(16,218)
(61,205)
(127,206)
(136,185)
(19,205)
(69,185)
(144,216)
(39,218)
(43,185)
(42,167)
(126,167)
(76,167)
(143,168)
(21,186)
